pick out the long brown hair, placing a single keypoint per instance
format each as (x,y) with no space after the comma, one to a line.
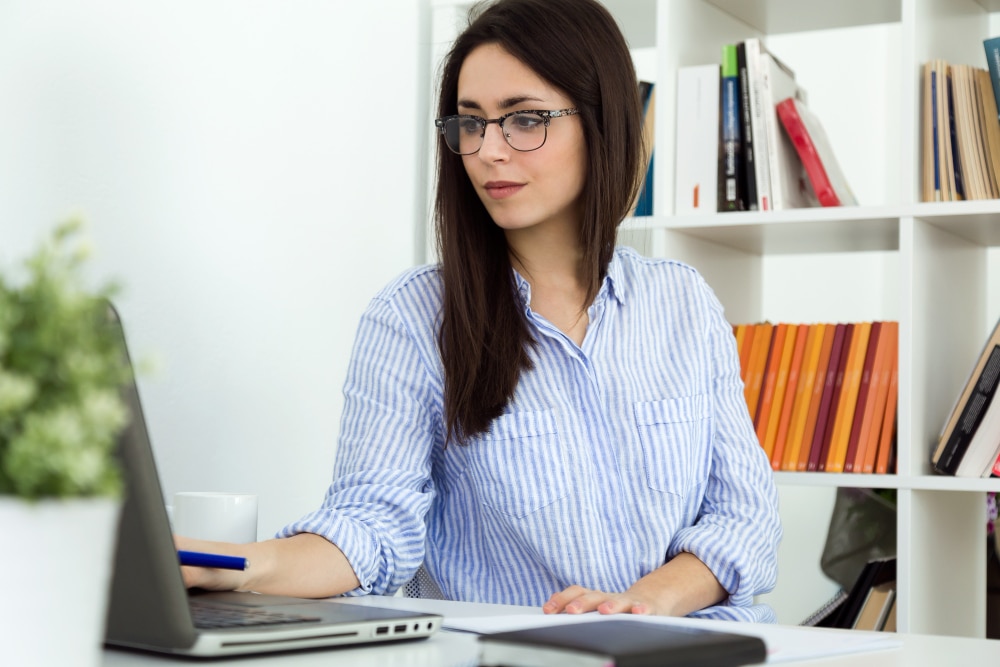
(484,341)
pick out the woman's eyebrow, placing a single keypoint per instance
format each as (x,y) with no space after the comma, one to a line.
(504,104)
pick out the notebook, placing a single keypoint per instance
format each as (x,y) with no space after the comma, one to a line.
(620,642)
(150,608)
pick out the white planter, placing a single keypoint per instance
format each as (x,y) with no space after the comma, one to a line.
(56,559)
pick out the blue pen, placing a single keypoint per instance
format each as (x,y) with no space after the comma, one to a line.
(199,559)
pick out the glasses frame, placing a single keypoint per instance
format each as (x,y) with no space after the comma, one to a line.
(547,117)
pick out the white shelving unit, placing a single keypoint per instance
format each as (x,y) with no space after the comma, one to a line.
(927,265)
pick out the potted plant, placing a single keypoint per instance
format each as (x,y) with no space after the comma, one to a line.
(61,370)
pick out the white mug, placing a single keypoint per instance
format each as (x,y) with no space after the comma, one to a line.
(221,517)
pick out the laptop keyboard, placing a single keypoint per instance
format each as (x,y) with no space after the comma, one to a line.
(211,616)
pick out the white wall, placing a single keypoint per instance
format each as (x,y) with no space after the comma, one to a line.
(252,172)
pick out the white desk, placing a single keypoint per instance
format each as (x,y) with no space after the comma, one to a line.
(458,649)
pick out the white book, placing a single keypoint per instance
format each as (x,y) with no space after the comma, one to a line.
(762,172)
(696,173)
(786,173)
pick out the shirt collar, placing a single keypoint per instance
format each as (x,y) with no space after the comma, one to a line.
(615,284)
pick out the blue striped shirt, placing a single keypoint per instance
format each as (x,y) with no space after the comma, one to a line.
(612,457)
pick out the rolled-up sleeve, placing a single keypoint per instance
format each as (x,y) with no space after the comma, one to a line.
(738,528)
(375,509)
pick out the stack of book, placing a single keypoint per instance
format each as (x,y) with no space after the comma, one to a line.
(969,444)
(869,605)
(960,130)
(822,396)
(733,142)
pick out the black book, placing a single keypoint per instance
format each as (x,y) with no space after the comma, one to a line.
(749,190)
(620,642)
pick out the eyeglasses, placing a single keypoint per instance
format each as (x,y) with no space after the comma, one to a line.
(526,131)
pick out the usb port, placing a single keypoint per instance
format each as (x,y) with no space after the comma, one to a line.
(382,630)
(399,628)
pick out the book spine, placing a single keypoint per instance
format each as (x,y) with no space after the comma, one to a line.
(953,136)
(746,131)
(992,48)
(729,190)
(762,171)
(971,416)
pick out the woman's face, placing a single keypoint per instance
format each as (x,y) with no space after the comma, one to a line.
(521,190)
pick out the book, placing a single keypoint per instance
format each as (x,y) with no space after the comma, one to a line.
(780,387)
(745,344)
(746,133)
(852,461)
(788,180)
(762,172)
(758,362)
(827,612)
(644,201)
(838,364)
(803,394)
(620,642)
(878,392)
(984,446)
(697,144)
(957,183)
(930,184)
(969,408)
(885,456)
(989,129)
(806,134)
(992,47)
(790,393)
(731,148)
(770,380)
(816,400)
(875,610)
(844,420)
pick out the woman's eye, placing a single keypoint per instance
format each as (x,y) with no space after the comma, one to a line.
(469,126)
(527,121)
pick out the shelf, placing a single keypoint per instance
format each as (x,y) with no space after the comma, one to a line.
(794,231)
(918,483)
(784,16)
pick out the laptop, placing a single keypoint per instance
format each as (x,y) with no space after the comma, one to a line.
(151,609)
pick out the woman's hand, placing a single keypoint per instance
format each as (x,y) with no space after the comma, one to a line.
(215,579)
(678,587)
(579,600)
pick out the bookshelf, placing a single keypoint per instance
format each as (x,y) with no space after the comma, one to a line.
(934,267)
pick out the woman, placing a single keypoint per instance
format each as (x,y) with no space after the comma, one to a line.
(540,419)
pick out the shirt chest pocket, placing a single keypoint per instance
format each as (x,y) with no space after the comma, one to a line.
(519,465)
(676,442)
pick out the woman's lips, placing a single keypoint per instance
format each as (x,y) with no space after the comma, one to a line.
(502,189)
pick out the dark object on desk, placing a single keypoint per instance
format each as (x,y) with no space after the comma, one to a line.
(620,642)
(151,610)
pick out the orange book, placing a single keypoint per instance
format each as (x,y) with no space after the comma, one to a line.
(740,333)
(788,393)
(887,436)
(758,360)
(770,382)
(844,418)
(816,400)
(745,344)
(880,389)
(852,463)
(831,397)
(803,392)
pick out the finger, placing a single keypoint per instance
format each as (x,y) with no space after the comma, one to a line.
(587,602)
(558,601)
(616,605)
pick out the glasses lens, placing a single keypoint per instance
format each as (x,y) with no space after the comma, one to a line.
(463,134)
(525,131)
